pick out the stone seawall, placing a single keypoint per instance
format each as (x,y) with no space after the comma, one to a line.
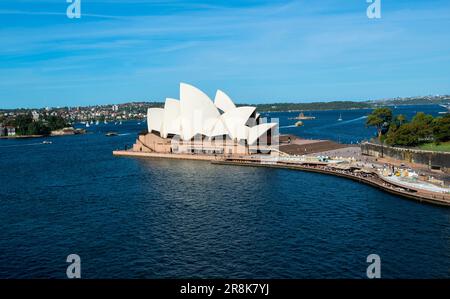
(434,160)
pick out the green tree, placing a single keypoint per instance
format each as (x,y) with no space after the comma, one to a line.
(56,122)
(422,125)
(400,119)
(391,134)
(405,135)
(22,122)
(380,118)
(441,128)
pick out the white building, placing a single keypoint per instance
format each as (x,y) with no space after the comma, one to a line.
(35,115)
(195,124)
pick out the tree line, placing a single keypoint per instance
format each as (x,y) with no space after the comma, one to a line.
(397,130)
(26,125)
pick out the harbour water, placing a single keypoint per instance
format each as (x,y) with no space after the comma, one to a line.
(150,218)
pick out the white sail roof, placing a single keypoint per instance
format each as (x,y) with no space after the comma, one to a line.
(155,118)
(235,120)
(171,122)
(196,114)
(257,131)
(223,101)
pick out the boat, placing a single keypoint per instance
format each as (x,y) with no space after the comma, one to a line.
(110,134)
(87,125)
(302,116)
(97,123)
(340,117)
(46,142)
(105,122)
(446,107)
(299,124)
(120,123)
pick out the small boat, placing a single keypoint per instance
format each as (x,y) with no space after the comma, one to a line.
(110,134)
(120,123)
(139,123)
(46,142)
(87,125)
(97,123)
(302,116)
(299,124)
(105,122)
(340,117)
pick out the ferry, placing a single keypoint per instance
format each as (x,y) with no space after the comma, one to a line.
(302,116)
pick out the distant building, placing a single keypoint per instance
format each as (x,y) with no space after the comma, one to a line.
(35,115)
(2,130)
(115,108)
(10,131)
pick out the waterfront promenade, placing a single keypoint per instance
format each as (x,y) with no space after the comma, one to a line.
(355,171)
(368,177)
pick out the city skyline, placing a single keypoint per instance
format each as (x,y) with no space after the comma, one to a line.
(260,51)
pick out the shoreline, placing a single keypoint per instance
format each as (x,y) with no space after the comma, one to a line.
(373,179)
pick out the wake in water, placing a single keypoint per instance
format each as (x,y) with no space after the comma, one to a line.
(330,125)
(352,120)
(27,144)
(340,123)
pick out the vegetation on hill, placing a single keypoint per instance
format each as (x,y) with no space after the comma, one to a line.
(25,125)
(312,106)
(420,130)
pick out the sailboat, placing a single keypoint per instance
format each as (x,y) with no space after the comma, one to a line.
(87,124)
(340,117)
(97,122)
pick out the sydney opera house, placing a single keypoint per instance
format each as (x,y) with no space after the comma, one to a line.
(195,124)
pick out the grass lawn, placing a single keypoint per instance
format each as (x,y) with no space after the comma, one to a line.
(443,147)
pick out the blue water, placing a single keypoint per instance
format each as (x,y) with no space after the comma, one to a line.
(351,129)
(150,218)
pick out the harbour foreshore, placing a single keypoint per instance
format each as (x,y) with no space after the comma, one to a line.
(131,153)
(371,178)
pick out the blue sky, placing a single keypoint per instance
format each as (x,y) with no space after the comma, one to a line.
(258,51)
